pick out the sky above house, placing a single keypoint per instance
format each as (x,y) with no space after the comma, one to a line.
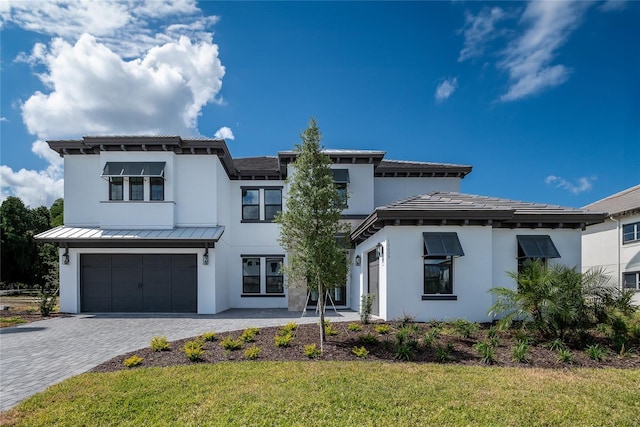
(541,98)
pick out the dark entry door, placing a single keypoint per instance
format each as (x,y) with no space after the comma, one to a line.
(373,280)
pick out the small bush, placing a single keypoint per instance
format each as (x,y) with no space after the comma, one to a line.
(366,306)
(597,353)
(464,328)
(132,361)
(382,329)
(283,340)
(492,332)
(556,345)
(354,327)
(486,352)
(193,350)
(405,320)
(329,329)
(288,329)
(312,351)
(230,344)
(443,352)
(368,339)
(160,344)
(252,352)
(249,335)
(209,336)
(360,352)
(520,352)
(565,355)
(406,351)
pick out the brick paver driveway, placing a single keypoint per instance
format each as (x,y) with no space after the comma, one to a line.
(36,355)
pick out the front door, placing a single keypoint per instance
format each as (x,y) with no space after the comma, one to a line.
(373,280)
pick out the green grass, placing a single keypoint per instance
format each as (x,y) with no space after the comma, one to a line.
(11,321)
(337,394)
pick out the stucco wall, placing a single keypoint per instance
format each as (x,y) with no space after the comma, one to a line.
(83,190)
(196,187)
(389,190)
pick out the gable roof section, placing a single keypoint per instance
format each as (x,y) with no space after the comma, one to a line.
(265,167)
(449,208)
(623,203)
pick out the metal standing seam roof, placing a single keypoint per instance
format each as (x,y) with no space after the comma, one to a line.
(65,234)
(625,201)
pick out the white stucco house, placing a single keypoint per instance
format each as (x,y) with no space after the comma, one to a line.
(614,245)
(171,224)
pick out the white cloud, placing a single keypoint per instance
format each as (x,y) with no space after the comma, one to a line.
(95,91)
(581,185)
(528,58)
(224,133)
(446,89)
(4,119)
(479,30)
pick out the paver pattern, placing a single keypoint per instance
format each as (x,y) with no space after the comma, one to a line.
(36,355)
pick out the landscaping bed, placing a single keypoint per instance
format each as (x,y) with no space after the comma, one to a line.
(435,342)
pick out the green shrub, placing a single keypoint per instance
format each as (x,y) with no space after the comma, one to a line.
(443,352)
(368,339)
(597,353)
(406,344)
(486,352)
(556,345)
(329,329)
(382,329)
(132,361)
(193,350)
(312,351)
(565,355)
(208,336)
(405,320)
(354,327)
(249,335)
(160,344)
(520,352)
(252,352)
(229,343)
(464,328)
(366,306)
(283,340)
(360,352)
(492,332)
(288,329)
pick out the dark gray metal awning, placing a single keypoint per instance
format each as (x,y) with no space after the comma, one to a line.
(539,246)
(442,244)
(151,169)
(340,175)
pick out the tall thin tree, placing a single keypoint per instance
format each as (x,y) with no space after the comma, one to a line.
(310,223)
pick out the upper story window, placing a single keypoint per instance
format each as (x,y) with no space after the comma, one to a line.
(341,181)
(261,204)
(136,188)
(156,186)
(116,188)
(439,252)
(535,247)
(630,232)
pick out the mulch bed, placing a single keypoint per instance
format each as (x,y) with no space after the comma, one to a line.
(339,348)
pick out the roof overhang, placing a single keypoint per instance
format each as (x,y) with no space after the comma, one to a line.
(178,237)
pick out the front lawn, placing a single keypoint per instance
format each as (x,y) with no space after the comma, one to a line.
(320,393)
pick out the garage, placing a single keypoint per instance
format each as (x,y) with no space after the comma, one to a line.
(117,283)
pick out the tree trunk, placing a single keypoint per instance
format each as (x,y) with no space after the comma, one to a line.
(321,308)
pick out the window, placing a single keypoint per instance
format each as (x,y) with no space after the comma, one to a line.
(438,277)
(341,188)
(115,188)
(535,247)
(340,181)
(272,203)
(262,276)
(630,232)
(631,281)
(251,204)
(157,188)
(275,279)
(136,188)
(251,275)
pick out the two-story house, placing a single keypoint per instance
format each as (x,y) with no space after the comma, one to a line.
(614,245)
(170,224)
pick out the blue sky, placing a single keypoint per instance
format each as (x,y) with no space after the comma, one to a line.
(541,98)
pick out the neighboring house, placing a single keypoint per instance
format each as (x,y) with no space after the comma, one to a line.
(614,245)
(170,224)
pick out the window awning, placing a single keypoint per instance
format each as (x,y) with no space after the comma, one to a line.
(340,175)
(540,246)
(442,244)
(152,169)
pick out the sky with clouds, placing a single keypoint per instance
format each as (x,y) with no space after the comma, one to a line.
(541,98)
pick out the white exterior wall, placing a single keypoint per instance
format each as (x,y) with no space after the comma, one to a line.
(359,189)
(83,190)
(360,274)
(196,183)
(389,190)
(70,275)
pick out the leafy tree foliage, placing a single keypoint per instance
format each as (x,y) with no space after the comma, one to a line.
(311,222)
(23,259)
(57,213)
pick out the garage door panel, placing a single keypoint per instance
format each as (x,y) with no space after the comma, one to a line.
(184,290)
(157,287)
(95,292)
(126,283)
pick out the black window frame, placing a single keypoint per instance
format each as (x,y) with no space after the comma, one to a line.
(438,262)
(342,189)
(270,214)
(634,232)
(635,279)
(249,279)
(116,182)
(250,205)
(154,183)
(278,275)
(136,187)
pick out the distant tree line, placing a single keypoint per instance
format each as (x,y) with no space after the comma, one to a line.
(26,263)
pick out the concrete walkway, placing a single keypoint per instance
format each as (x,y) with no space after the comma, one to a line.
(36,355)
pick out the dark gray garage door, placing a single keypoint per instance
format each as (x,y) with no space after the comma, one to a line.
(138,283)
